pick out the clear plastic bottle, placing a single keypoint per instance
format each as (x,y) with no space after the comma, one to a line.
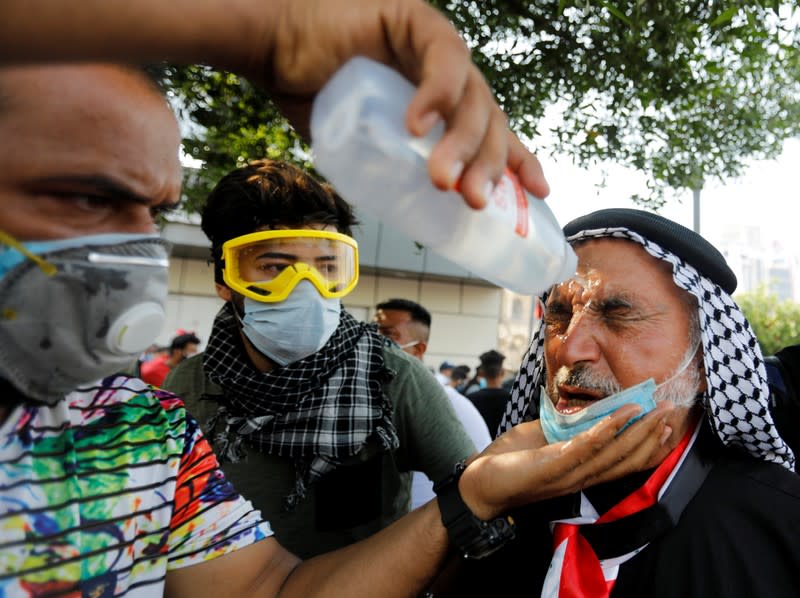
(361,145)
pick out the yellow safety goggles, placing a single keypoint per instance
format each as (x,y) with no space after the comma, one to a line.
(266,266)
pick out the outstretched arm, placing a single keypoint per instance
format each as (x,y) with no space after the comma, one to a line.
(402,559)
(291,48)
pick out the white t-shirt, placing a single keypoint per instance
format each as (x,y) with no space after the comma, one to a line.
(475,426)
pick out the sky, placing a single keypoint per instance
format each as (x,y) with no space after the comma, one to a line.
(766,195)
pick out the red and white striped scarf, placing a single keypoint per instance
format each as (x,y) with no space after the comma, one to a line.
(575,571)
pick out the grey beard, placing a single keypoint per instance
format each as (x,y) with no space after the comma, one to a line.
(682,390)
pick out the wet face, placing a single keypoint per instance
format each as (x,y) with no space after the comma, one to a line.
(87,149)
(621,321)
(397,325)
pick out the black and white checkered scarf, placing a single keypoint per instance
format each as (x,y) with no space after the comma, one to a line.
(737,395)
(317,411)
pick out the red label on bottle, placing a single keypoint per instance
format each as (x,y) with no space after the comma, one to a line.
(521,227)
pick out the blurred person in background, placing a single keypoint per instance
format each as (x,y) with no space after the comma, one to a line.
(182,346)
(492,398)
(408,324)
(445,372)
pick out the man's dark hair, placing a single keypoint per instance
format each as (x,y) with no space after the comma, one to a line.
(180,341)
(415,310)
(491,363)
(459,373)
(269,194)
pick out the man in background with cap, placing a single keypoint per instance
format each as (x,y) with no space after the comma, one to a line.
(444,375)
(783,374)
(649,318)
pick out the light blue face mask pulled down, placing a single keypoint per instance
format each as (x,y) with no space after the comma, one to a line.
(289,330)
(558,427)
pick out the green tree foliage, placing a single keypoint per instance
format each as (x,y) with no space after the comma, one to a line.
(682,90)
(227,122)
(776,323)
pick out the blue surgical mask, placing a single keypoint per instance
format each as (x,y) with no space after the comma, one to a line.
(558,427)
(292,329)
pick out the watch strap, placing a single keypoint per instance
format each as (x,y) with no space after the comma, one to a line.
(473,537)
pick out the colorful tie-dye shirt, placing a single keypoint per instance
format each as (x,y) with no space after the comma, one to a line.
(104,493)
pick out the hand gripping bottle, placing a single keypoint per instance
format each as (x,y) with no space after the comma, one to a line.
(361,145)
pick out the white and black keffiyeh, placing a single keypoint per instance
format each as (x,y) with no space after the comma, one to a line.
(737,395)
(317,411)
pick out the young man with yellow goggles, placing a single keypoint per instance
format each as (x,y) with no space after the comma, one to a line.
(332,417)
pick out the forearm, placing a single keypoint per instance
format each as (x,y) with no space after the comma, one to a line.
(400,560)
(184,31)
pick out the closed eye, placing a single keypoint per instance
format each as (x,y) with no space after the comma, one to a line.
(613,307)
(557,316)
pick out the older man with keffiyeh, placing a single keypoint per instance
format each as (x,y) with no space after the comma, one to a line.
(321,419)
(649,318)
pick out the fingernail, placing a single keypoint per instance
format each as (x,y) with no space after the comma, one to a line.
(427,121)
(455,173)
(666,434)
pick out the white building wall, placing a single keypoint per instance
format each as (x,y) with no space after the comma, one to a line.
(192,302)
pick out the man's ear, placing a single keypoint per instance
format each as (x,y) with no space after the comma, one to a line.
(703,380)
(699,364)
(419,349)
(224,292)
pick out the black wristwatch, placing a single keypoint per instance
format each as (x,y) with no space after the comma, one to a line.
(473,537)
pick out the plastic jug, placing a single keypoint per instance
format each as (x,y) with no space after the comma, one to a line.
(361,145)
